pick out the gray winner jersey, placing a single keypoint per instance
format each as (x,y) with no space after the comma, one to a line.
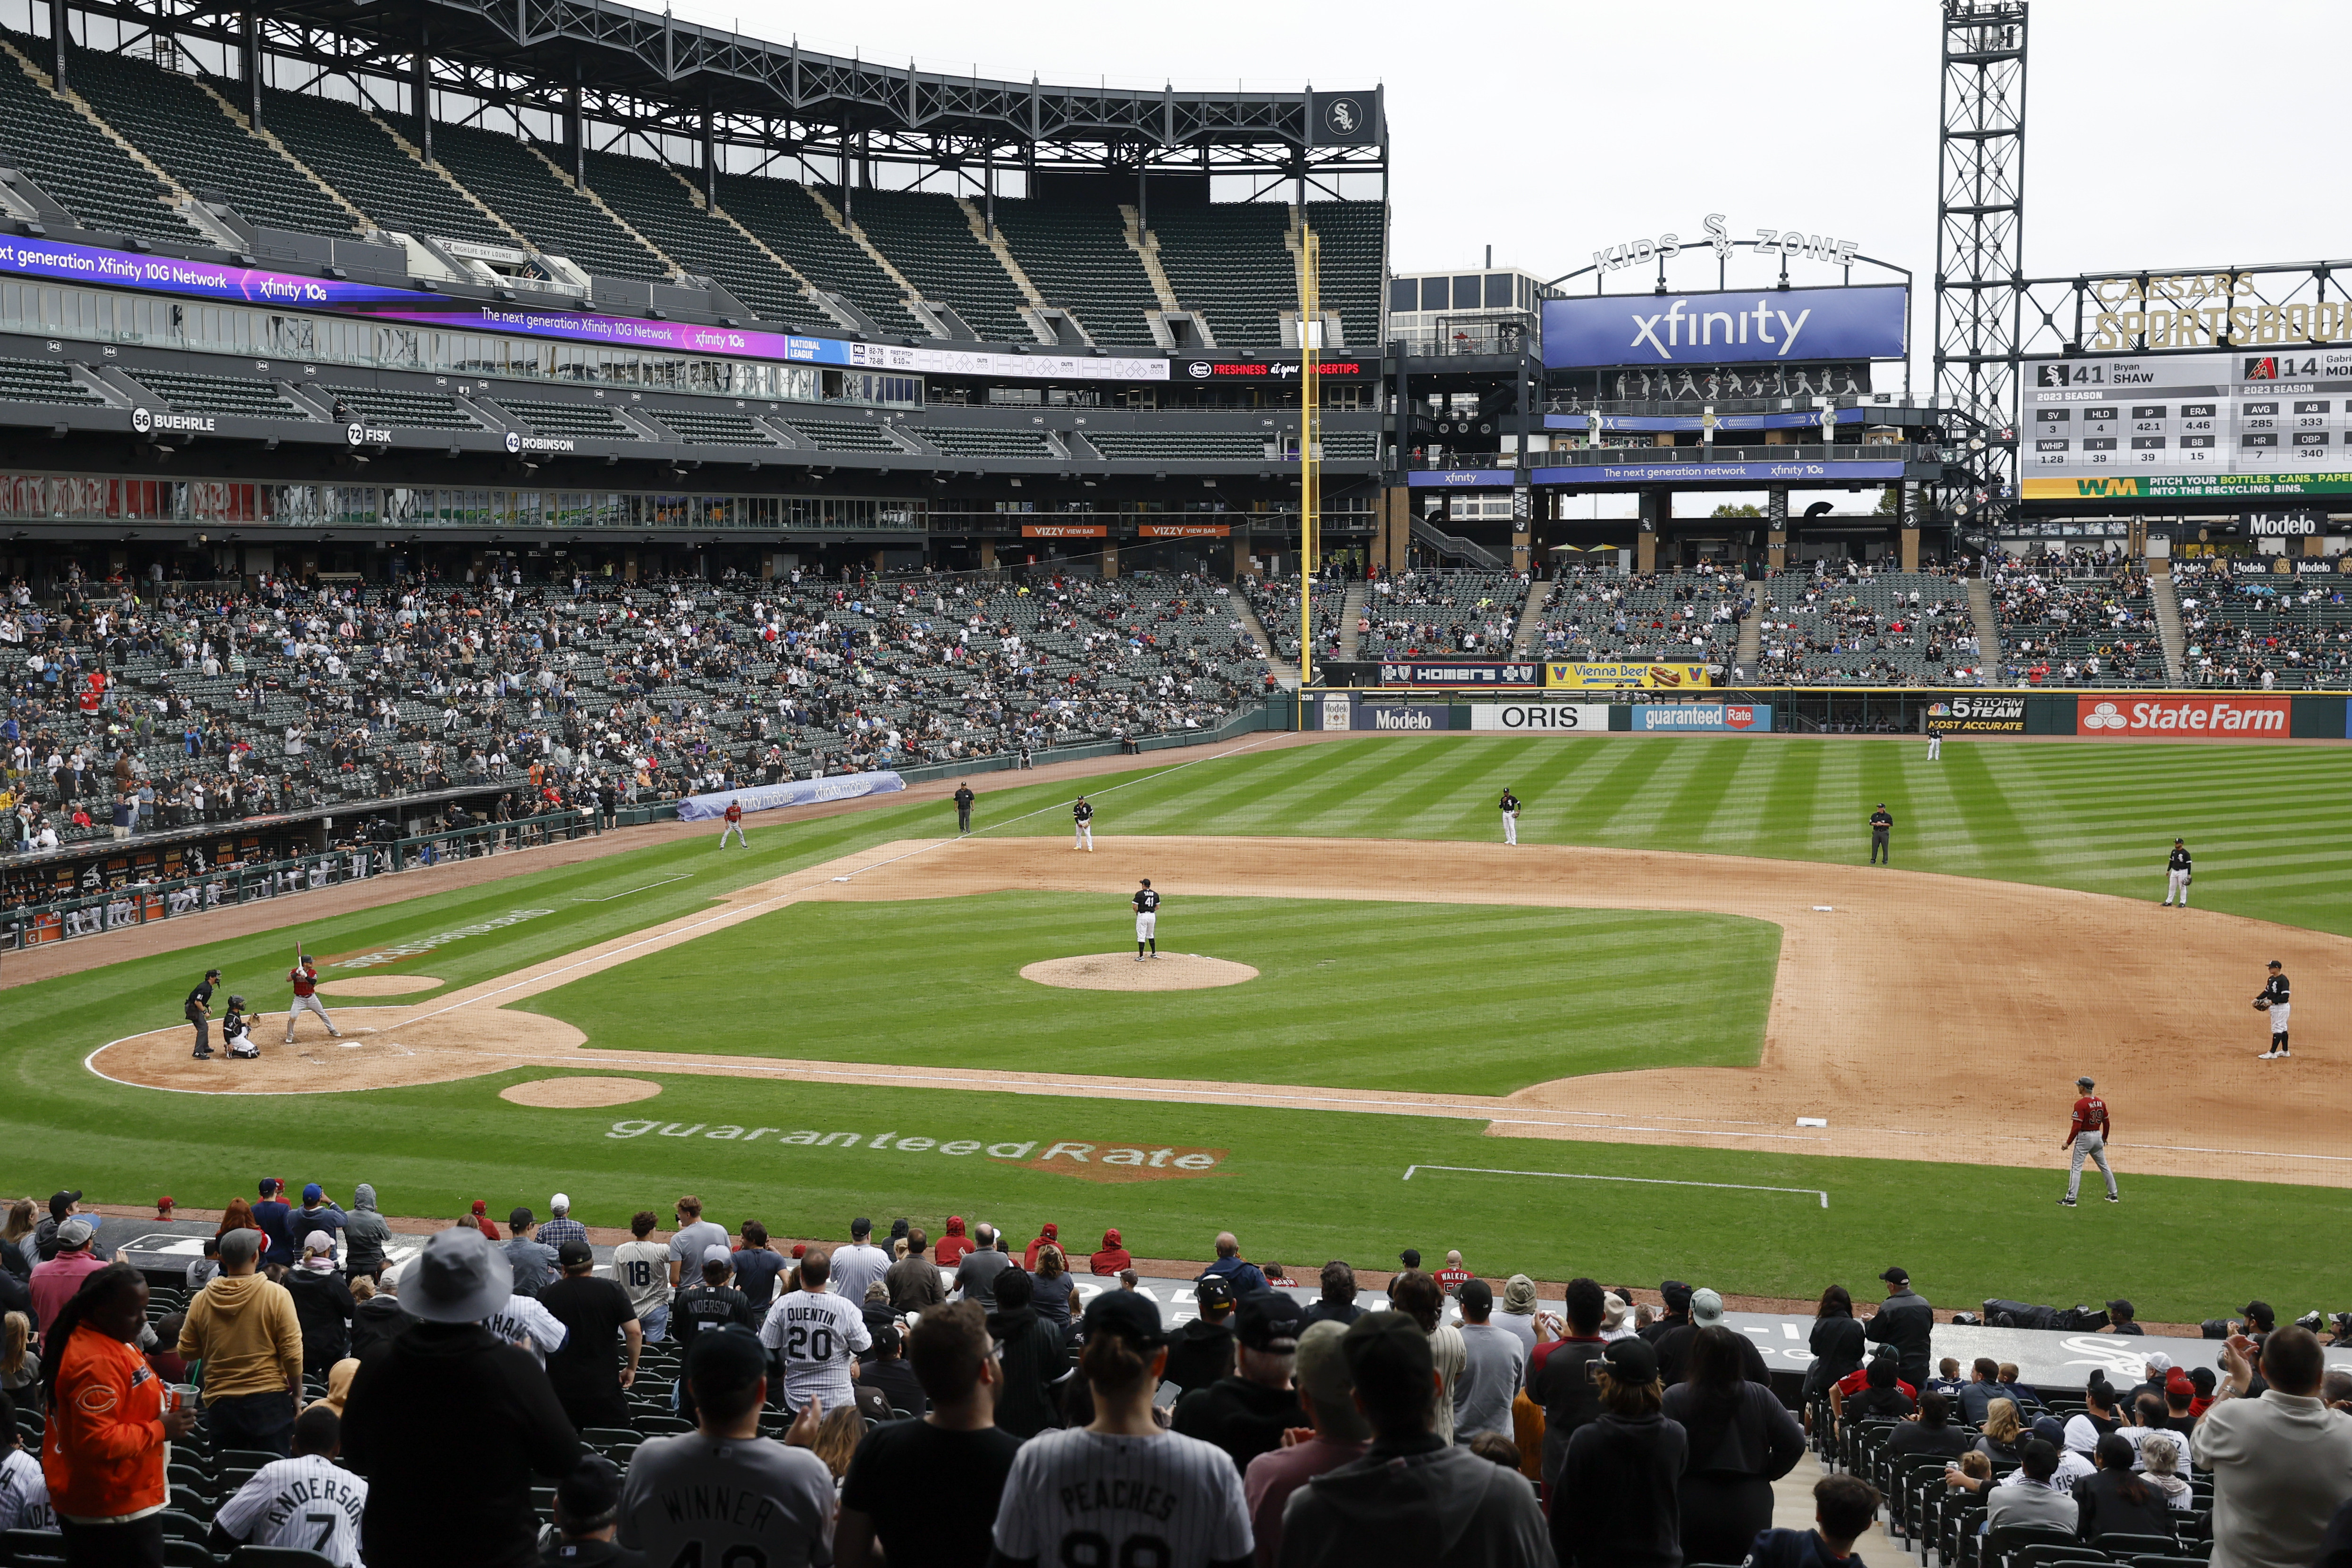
(715,1502)
(1076,1497)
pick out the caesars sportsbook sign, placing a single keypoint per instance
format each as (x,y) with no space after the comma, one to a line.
(2182,718)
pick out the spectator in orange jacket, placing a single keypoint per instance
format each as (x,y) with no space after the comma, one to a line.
(1112,1258)
(102,1451)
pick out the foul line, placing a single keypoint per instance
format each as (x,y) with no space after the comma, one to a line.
(1646,1181)
(648,887)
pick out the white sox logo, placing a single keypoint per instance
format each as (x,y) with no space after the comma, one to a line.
(2105,716)
(1343,116)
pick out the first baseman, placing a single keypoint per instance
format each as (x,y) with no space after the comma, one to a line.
(2088,1138)
(1882,825)
(305,978)
(1147,920)
(2274,1001)
(1510,806)
(735,826)
(1082,826)
(2176,873)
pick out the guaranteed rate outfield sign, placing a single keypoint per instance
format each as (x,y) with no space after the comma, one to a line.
(1743,326)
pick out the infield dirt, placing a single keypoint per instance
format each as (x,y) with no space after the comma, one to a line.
(1922,1017)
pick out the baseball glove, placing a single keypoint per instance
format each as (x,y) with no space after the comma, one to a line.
(2261,1004)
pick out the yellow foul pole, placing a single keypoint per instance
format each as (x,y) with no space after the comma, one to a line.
(1310,444)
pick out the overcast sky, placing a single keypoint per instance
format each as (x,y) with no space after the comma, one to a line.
(1551,130)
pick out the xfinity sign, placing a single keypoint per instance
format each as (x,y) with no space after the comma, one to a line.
(1735,326)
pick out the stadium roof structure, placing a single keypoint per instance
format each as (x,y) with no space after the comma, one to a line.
(651,73)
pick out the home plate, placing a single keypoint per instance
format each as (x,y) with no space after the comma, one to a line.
(354,1044)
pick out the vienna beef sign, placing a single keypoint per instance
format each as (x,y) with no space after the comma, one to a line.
(2181,718)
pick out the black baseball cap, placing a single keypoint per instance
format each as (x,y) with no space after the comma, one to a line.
(1385,1347)
(1895,1276)
(2122,1307)
(2259,1312)
(1476,1293)
(1677,1295)
(1131,1315)
(1410,1258)
(589,1494)
(63,1199)
(725,1359)
(1268,1320)
(1213,1291)
(1632,1360)
(575,1253)
(522,1216)
(861,1226)
(2085,1083)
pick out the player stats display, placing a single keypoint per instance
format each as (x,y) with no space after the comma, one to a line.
(2188,427)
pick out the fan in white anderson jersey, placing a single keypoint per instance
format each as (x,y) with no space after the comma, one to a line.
(308,1502)
(818,1334)
(1121,1490)
(24,1495)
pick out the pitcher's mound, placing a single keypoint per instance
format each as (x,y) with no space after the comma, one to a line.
(579,1093)
(378,986)
(1121,972)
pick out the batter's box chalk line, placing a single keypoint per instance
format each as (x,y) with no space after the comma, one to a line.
(1643,1181)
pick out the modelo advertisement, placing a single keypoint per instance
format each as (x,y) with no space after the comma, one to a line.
(1744,326)
(1541,718)
(2182,718)
(1702,718)
(1402,718)
(1592,677)
(1979,715)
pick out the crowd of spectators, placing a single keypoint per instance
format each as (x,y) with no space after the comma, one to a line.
(1866,628)
(496,1395)
(136,707)
(1441,614)
(1602,616)
(2266,634)
(2076,621)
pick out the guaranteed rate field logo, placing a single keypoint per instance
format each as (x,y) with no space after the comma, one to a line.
(1099,1162)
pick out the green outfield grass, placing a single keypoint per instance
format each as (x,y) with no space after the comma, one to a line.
(2272,827)
(1446,999)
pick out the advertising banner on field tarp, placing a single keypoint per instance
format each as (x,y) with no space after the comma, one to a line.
(793,793)
(1404,718)
(1554,718)
(1463,673)
(1703,719)
(1593,677)
(1979,715)
(1337,708)
(2182,718)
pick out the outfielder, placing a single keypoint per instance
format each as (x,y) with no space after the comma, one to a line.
(735,826)
(2176,871)
(1934,744)
(305,978)
(1147,920)
(2273,1001)
(1082,826)
(2088,1138)
(1510,806)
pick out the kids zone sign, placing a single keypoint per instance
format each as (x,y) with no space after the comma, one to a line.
(1089,1160)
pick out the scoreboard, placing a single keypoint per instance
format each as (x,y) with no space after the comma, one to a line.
(2188,426)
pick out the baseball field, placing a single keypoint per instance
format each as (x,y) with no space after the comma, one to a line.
(1682,1029)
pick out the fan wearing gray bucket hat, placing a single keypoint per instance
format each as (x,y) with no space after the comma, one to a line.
(449,1412)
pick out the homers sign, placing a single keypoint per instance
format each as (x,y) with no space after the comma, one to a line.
(2181,718)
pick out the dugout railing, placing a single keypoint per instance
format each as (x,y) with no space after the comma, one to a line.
(118,909)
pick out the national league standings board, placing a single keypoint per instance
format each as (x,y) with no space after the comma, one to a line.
(2189,426)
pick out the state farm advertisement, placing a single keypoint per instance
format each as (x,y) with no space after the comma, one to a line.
(2181,718)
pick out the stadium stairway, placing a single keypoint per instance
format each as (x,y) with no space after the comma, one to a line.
(1246,613)
(1530,633)
(2168,627)
(1987,625)
(1351,611)
(1751,638)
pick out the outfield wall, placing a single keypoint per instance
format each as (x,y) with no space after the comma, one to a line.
(2127,715)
